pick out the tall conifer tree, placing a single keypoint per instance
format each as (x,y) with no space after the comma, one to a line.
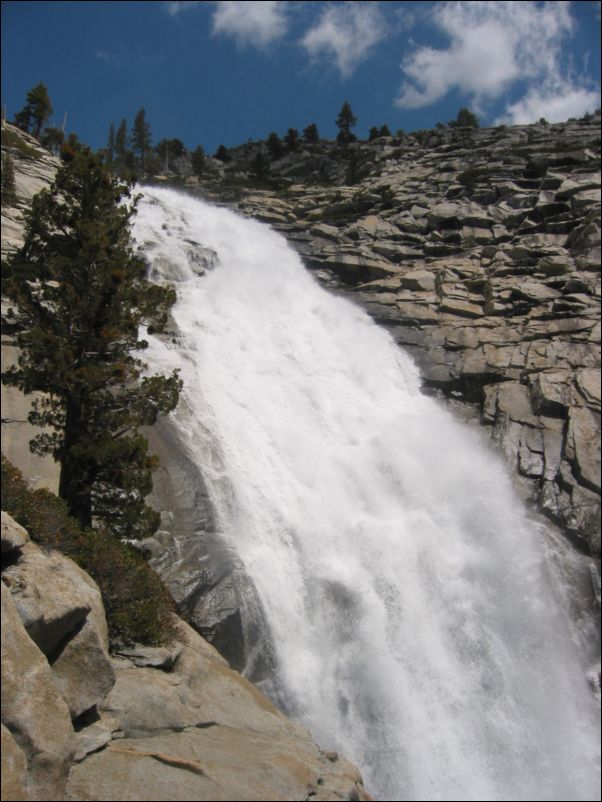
(141,136)
(81,296)
(121,150)
(111,144)
(9,189)
(345,121)
(37,110)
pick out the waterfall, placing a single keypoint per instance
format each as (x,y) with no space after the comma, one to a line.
(417,624)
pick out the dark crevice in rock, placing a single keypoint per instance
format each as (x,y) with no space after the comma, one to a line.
(56,652)
(85,719)
(10,558)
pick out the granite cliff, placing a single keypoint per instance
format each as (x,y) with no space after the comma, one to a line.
(479,250)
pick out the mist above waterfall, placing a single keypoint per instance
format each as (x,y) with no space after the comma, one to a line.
(416,625)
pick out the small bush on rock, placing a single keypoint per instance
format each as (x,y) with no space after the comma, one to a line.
(137,604)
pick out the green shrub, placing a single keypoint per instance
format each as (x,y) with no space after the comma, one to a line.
(9,190)
(471,176)
(137,604)
(388,196)
(12,140)
(466,118)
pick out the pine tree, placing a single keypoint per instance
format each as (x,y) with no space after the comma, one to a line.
(81,295)
(168,150)
(9,190)
(141,136)
(291,139)
(222,154)
(52,138)
(275,145)
(310,134)
(466,118)
(198,161)
(111,144)
(345,122)
(260,166)
(121,151)
(375,132)
(23,119)
(37,110)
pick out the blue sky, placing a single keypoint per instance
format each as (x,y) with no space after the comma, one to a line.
(225,72)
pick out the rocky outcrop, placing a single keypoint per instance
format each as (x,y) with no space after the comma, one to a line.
(35,169)
(145,723)
(217,763)
(480,251)
(36,718)
(198,730)
(55,661)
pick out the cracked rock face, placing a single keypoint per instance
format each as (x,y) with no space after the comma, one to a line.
(480,251)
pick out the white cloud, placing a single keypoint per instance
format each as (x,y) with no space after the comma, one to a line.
(345,34)
(177,6)
(493,45)
(556,104)
(257,23)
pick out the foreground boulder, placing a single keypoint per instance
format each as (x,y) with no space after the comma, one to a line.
(61,609)
(173,722)
(192,728)
(37,728)
(215,763)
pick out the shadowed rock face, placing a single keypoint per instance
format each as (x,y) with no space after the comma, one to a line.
(479,250)
(204,576)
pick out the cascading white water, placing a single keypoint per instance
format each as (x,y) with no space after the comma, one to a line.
(415,626)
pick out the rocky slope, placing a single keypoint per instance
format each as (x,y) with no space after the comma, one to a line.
(172,723)
(480,251)
(35,168)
